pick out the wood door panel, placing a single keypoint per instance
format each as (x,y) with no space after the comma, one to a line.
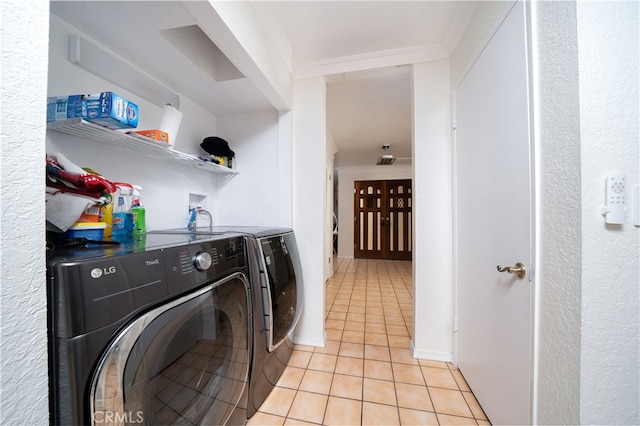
(383,219)
(399,214)
(368,207)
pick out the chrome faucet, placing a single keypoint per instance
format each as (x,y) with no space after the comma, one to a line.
(194,218)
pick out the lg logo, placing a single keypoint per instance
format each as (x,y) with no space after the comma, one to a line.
(98,272)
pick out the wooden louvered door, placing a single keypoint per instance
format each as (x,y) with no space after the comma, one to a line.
(383,219)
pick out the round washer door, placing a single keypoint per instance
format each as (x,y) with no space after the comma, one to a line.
(185,362)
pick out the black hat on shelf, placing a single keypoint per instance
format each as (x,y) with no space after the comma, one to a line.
(214,145)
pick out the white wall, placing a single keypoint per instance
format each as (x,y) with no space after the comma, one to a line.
(608,40)
(253,197)
(432,212)
(346,178)
(285,173)
(487,16)
(309,151)
(23,322)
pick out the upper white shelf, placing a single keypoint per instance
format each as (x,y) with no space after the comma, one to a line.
(133,142)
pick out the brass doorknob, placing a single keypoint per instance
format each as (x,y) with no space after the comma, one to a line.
(519,270)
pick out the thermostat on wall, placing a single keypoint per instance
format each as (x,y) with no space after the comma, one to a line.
(616,193)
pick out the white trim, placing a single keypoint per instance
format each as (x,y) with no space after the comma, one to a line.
(372,60)
(531,46)
(454,226)
(332,149)
(474,57)
(321,343)
(462,15)
(430,355)
(395,168)
(275,31)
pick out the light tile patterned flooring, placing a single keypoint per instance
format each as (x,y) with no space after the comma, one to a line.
(366,374)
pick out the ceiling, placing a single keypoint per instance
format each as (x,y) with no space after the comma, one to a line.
(368,94)
(369,109)
(361,47)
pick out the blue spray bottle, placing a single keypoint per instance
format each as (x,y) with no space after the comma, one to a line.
(192,220)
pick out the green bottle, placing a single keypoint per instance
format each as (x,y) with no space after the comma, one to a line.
(139,221)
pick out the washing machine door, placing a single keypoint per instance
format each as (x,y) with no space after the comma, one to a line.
(279,287)
(185,362)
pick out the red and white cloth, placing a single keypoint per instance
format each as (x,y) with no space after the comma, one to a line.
(70,191)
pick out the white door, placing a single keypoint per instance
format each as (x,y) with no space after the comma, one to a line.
(493,167)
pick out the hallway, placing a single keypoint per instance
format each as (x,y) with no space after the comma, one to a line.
(366,374)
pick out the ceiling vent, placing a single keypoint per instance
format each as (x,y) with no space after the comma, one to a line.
(386,159)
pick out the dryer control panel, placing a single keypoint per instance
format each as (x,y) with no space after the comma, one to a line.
(201,262)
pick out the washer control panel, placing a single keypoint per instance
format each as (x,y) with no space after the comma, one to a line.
(202,261)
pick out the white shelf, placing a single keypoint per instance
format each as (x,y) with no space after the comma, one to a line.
(134,142)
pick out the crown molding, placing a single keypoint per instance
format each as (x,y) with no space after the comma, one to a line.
(393,169)
(331,145)
(372,60)
(274,30)
(390,73)
(462,15)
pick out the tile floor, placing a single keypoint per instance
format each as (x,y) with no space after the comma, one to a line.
(366,374)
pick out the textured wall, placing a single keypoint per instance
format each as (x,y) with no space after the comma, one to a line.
(608,45)
(558,263)
(23,348)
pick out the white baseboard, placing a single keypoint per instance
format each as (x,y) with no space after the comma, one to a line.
(302,340)
(431,355)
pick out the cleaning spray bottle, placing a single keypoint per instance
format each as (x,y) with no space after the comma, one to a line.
(191,226)
(122,217)
(139,220)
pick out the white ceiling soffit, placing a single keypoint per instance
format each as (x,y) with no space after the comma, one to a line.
(321,38)
(165,40)
(198,47)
